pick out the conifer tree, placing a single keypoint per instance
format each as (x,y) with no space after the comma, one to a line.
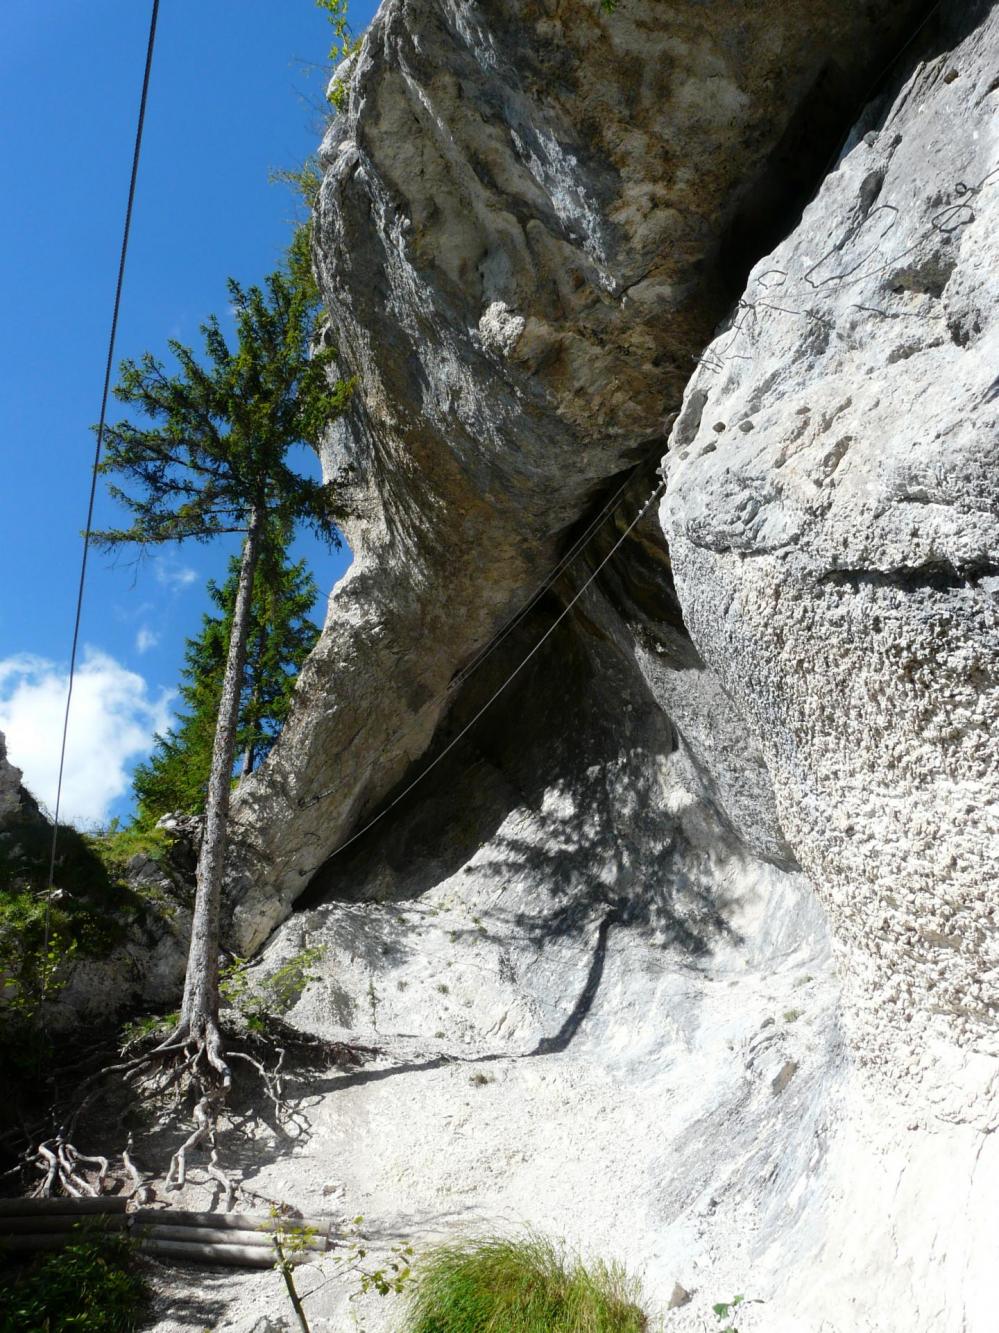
(208,455)
(175,778)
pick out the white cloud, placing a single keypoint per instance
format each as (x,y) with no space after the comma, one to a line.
(111,721)
(145,639)
(173,576)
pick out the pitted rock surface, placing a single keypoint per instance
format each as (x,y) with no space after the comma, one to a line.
(833,522)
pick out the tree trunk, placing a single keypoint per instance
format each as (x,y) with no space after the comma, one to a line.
(253,703)
(200,1008)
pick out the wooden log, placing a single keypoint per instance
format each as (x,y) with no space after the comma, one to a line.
(104,1203)
(87,1224)
(237,1256)
(29,1244)
(221,1236)
(180,1217)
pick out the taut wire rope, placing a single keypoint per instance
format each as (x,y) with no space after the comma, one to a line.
(97,451)
(507,681)
(464,673)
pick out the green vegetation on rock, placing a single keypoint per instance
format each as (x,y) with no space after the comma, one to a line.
(343,45)
(42,932)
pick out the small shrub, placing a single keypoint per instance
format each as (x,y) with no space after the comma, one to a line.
(526,1286)
(91,1286)
(140,1031)
(724,1310)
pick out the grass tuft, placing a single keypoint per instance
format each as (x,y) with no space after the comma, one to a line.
(521,1286)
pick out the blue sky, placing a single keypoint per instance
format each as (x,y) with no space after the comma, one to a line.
(236,91)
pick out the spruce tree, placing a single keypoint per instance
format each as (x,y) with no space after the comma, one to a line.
(175,778)
(208,455)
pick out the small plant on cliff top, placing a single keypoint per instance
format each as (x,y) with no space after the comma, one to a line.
(343,45)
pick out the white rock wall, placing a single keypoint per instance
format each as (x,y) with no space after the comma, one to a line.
(833,521)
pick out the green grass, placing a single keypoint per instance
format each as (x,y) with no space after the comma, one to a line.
(520,1286)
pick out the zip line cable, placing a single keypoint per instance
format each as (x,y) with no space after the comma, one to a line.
(97,450)
(466,672)
(512,676)
(574,550)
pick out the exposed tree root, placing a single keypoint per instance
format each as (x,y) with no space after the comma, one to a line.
(192,1065)
(59,1161)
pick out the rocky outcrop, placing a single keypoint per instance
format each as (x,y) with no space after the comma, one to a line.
(10,783)
(531,217)
(122,946)
(833,526)
(595,941)
(15,801)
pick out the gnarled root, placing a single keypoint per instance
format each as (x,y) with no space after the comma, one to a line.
(60,1161)
(181,1056)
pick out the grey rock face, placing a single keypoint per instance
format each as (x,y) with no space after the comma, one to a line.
(530,220)
(10,782)
(833,523)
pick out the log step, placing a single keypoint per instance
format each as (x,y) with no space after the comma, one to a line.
(80,1224)
(239,1256)
(179,1217)
(234,1239)
(222,1236)
(104,1203)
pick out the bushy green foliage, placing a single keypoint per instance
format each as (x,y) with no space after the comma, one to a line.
(117,844)
(343,45)
(208,447)
(526,1286)
(43,933)
(91,1286)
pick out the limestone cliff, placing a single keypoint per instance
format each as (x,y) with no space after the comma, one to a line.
(684,950)
(530,221)
(121,951)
